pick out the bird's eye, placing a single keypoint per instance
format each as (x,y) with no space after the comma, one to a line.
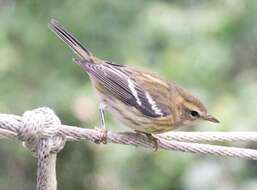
(194,113)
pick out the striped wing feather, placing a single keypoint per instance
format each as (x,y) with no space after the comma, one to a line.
(131,87)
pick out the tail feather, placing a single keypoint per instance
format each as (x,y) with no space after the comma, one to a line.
(70,40)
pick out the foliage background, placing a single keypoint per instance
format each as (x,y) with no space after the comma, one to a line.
(207,46)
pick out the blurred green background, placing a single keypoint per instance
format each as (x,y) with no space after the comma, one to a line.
(209,47)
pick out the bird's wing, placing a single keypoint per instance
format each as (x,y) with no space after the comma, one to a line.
(124,84)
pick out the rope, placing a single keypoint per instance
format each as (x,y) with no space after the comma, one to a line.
(211,136)
(38,130)
(12,126)
(41,131)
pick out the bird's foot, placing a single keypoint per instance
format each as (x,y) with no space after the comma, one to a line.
(103,136)
(153,140)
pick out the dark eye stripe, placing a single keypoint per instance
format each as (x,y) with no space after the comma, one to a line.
(194,113)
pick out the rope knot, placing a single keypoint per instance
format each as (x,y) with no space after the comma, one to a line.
(41,123)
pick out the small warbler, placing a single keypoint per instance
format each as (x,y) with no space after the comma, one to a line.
(140,100)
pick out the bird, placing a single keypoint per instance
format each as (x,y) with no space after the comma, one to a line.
(139,100)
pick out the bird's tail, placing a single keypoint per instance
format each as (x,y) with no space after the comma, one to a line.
(72,42)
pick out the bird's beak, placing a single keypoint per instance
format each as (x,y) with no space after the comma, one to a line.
(211,119)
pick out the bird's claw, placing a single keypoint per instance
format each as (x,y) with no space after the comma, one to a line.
(103,136)
(154,140)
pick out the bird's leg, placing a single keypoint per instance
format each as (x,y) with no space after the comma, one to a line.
(153,139)
(102,128)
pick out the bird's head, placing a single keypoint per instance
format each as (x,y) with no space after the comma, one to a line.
(192,109)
